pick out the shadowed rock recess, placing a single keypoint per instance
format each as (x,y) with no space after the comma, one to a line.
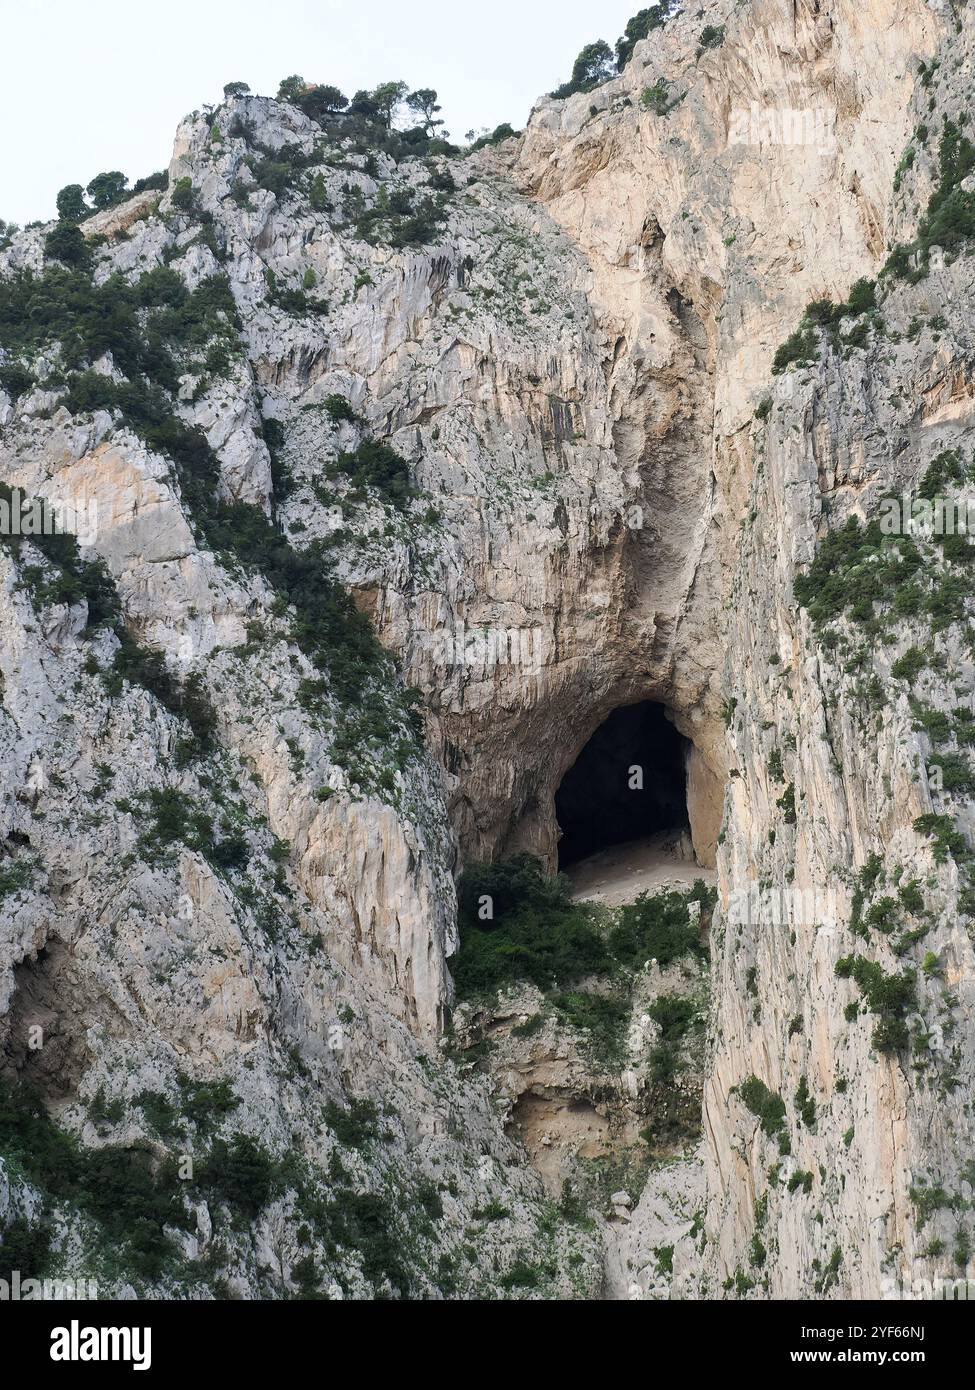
(628,783)
(410,483)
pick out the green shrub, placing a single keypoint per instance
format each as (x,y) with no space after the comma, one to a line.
(161,1115)
(949,219)
(159,180)
(207,1102)
(491,1211)
(603,1018)
(956,773)
(674,1015)
(148,326)
(15,876)
(930,1198)
(944,470)
(521,1276)
(535,932)
(805,1104)
(656,928)
(74,580)
(801,349)
(656,98)
(25,1246)
(502,132)
(66,243)
(910,665)
(712,36)
(187,699)
(175,819)
(16,380)
(768,1107)
(855,568)
(184,195)
(355,1125)
(376,465)
(949,842)
(787,804)
(240,1174)
(318,193)
(891,997)
(338,408)
(129,1193)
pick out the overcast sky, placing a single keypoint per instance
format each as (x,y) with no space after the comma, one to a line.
(87,85)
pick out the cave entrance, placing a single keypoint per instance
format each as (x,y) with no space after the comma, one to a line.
(628,784)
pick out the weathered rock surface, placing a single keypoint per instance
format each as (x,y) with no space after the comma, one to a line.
(571,367)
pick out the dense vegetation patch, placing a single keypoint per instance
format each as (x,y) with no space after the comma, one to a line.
(127,1192)
(910,564)
(134,1196)
(517,924)
(869,573)
(369,121)
(891,997)
(373,464)
(766,1105)
(801,348)
(949,220)
(147,325)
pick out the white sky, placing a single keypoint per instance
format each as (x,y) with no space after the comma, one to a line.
(89,85)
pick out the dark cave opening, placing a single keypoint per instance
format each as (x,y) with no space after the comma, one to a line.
(628,783)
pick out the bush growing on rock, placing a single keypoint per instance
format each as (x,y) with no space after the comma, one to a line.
(183,195)
(534,931)
(890,997)
(15,379)
(158,180)
(766,1105)
(505,131)
(712,36)
(338,408)
(105,190)
(66,243)
(640,27)
(376,465)
(71,203)
(655,927)
(593,66)
(517,924)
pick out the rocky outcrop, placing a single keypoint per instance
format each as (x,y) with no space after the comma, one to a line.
(608,496)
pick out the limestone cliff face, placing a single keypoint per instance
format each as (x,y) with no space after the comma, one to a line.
(715,201)
(570,362)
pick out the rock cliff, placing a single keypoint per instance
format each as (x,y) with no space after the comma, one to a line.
(399,474)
